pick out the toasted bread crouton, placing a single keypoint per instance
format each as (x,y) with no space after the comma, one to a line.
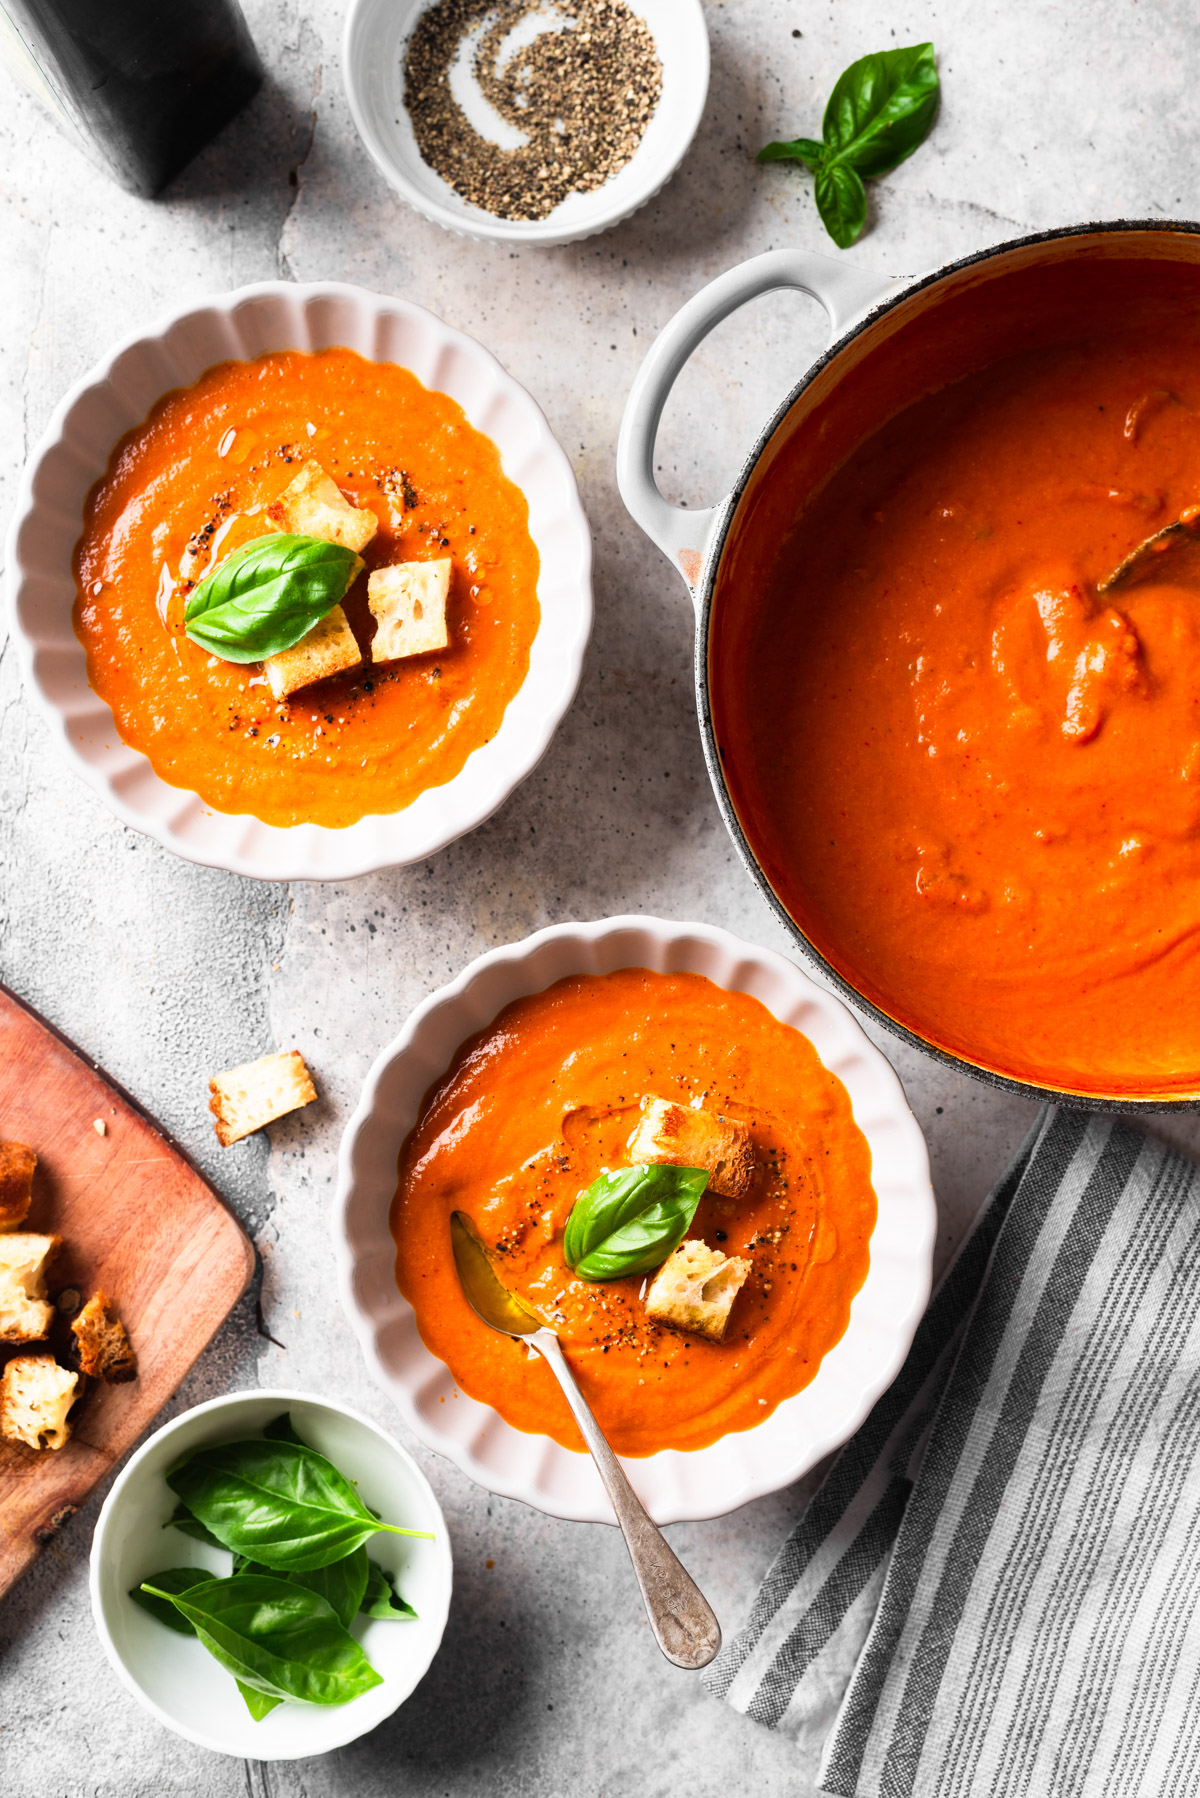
(35,1396)
(313,506)
(17,1162)
(694,1289)
(329,648)
(105,1351)
(691,1138)
(409,603)
(246,1098)
(25,1312)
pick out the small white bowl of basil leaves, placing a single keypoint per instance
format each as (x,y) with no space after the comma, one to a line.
(301,1481)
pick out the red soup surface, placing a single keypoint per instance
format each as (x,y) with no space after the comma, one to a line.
(193,482)
(972,779)
(530,1112)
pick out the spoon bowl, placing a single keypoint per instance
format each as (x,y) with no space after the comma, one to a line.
(1166,555)
(486,1293)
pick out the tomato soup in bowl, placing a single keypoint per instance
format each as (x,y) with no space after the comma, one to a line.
(537,1106)
(200,479)
(559,1067)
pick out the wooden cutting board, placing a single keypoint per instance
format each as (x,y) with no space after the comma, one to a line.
(139,1221)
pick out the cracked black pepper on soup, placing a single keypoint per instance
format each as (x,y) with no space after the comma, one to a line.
(581,93)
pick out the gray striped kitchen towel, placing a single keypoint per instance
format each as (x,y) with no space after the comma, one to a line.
(997,1588)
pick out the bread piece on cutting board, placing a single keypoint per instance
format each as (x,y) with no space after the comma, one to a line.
(35,1396)
(25,1311)
(17,1164)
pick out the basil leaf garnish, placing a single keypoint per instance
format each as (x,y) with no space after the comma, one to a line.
(277,1503)
(880,111)
(173,1580)
(276,1638)
(381,1598)
(267,595)
(628,1221)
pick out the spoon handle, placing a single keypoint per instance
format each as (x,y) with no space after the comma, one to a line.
(680,1615)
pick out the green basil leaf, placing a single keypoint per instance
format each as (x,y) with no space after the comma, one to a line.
(882,108)
(381,1598)
(628,1221)
(267,595)
(259,1704)
(842,203)
(277,1503)
(242,1565)
(277,1638)
(282,1429)
(174,1579)
(342,1584)
(800,149)
(181,1519)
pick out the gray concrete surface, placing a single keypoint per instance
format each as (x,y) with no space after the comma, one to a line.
(547,1685)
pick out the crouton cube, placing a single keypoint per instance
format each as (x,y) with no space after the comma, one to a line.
(313,506)
(692,1138)
(17,1162)
(409,603)
(25,1312)
(329,648)
(102,1345)
(35,1396)
(694,1289)
(246,1098)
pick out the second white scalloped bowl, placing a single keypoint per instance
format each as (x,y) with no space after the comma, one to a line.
(117,396)
(673,1485)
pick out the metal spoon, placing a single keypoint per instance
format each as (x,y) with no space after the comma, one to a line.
(1160,554)
(680,1615)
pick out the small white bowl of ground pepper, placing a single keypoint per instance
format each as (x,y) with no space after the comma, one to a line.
(526,121)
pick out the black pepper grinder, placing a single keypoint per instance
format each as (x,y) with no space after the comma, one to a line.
(141,85)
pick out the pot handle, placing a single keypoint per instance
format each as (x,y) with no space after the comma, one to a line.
(843,290)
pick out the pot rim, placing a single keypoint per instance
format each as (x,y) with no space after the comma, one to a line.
(704,590)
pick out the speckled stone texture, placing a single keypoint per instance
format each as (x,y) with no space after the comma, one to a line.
(548,1684)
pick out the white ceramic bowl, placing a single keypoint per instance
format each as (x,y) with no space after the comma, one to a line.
(673,1485)
(73,454)
(373,45)
(177,1680)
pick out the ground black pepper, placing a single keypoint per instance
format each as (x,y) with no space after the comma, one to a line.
(582,95)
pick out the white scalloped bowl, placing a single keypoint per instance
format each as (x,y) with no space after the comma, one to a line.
(672,1484)
(116,397)
(374,41)
(170,1675)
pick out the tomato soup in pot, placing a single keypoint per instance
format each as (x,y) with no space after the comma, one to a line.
(970,776)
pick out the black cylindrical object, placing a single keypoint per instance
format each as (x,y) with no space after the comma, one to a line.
(144,83)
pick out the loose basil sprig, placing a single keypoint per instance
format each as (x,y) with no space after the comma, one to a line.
(267,595)
(277,1503)
(628,1221)
(275,1637)
(880,112)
